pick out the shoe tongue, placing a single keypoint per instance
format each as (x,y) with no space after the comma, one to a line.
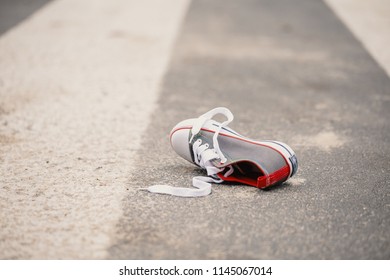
(209,155)
(217,163)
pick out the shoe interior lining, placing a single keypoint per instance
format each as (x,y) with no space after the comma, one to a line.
(246,170)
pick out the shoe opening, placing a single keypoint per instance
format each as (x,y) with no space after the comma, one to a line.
(245,172)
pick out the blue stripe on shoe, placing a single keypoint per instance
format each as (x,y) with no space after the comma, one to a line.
(281,146)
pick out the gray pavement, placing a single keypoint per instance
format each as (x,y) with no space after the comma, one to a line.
(289,71)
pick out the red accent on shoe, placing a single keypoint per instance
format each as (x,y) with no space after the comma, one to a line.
(262,182)
(273,178)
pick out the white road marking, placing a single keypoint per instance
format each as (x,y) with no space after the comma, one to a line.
(296,181)
(326,141)
(370,23)
(78,83)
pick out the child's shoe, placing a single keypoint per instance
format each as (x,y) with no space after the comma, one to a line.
(227,156)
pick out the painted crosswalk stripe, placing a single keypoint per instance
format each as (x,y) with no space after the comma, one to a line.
(369,21)
(79,80)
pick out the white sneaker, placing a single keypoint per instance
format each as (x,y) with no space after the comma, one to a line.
(227,156)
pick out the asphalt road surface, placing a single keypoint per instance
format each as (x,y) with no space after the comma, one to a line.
(289,70)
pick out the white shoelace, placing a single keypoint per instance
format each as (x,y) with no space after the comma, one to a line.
(203,156)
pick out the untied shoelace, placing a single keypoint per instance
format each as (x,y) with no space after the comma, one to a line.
(203,156)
